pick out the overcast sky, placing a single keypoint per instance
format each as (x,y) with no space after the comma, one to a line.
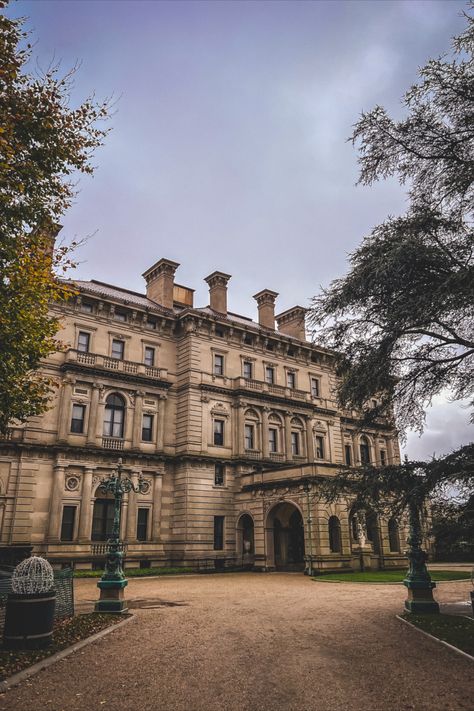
(229,149)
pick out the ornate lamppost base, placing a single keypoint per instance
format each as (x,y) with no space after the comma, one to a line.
(112,597)
(420,597)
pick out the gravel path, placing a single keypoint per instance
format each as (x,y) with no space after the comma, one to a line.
(248,642)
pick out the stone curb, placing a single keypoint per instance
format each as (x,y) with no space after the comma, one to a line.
(439,641)
(48,661)
(388,582)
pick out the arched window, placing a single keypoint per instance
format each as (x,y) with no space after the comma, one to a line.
(334,525)
(364,450)
(114,416)
(393,536)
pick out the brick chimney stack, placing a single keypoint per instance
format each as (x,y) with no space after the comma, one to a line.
(160,282)
(291,322)
(266,307)
(218,291)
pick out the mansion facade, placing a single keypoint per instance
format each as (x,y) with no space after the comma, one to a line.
(231,423)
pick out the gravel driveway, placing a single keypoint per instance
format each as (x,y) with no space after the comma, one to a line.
(251,642)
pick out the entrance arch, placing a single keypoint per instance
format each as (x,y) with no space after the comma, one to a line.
(285,537)
(245,536)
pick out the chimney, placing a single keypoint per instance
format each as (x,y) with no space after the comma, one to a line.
(266,308)
(291,322)
(160,282)
(48,232)
(218,291)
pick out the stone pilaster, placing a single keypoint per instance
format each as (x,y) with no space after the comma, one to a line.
(86,506)
(288,452)
(265,442)
(64,409)
(54,530)
(93,413)
(131,535)
(137,420)
(157,498)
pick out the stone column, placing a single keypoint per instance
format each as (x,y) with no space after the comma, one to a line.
(131,535)
(64,408)
(157,497)
(289,454)
(240,429)
(54,528)
(93,412)
(137,420)
(265,442)
(309,441)
(86,507)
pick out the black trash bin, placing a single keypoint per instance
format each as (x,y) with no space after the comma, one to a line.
(29,620)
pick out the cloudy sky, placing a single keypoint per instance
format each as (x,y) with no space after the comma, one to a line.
(229,145)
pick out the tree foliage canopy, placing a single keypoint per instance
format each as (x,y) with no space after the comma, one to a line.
(43,143)
(402,319)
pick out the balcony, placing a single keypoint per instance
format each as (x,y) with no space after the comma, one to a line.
(252,454)
(13,434)
(112,443)
(95,360)
(277,457)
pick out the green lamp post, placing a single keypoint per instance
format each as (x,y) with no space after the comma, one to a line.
(113,581)
(418,580)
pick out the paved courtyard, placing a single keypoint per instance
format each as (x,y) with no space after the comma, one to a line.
(249,642)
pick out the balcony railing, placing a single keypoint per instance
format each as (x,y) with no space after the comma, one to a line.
(14,434)
(112,443)
(252,454)
(96,360)
(277,457)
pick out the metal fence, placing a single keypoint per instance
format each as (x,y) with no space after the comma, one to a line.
(64,586)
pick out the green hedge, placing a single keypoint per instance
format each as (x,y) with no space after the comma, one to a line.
(134,572)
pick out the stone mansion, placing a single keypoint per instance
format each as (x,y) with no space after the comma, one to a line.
(231,423)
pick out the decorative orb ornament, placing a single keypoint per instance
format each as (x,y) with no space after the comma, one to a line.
(33,575)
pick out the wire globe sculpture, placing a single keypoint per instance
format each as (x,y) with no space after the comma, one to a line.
(33,575)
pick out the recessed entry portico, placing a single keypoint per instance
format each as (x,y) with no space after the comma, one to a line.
(284,531)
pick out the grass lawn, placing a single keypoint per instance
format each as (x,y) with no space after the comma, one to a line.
(66,632)
(389,576)
(454,629)
(135,572)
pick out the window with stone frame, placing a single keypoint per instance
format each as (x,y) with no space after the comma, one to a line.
(270,374)
(273,439)
(83,341)
(219,533)
(383,457)
(118,349)
(335,541)
(364,448)
(218,364)
(319,447)
(149,356)
(348,454)
(218,432)
(248,369)
(114,416)
(78,418)
(147,428)
(291,379)
(219,474)
(68,523)
(249,436)
(295,443)
(315,387)
(142,523)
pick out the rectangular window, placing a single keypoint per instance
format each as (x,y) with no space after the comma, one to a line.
(319,441)
(118,349)
(249,437)
(77,419)
(219,472)
(149,356)
(147,428)
(67,524)
(273,439)
(348,455)
(83,341)
(120,316)
(295,443)
(218,533)
(291,380)
(315,389)
(150,324)
(383,457)
(218,364)
(374,404)
(219,432)
(248,374)
(142,524)
(86,308)
(269,374)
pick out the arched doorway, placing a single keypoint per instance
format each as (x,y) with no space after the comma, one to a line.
(285,535)
(245,538)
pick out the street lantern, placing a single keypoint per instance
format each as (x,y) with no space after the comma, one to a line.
(113,581)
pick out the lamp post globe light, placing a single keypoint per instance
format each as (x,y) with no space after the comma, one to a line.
(113,581)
